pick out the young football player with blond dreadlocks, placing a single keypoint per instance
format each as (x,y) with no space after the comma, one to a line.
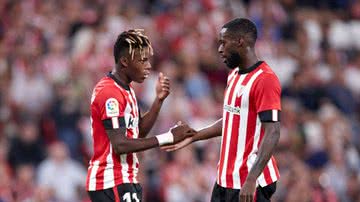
(118,130)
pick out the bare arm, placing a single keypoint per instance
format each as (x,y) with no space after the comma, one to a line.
(213,130)
(148,119)
(122,144)
(209,132)
(271,138)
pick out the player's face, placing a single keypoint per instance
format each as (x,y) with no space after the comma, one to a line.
(139,67)
(229,49)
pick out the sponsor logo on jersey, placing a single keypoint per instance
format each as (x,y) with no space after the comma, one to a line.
(132,122)
(232,109)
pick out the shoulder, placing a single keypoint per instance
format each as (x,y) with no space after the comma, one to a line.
(267,76)
(106,89)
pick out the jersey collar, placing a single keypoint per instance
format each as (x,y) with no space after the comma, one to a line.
(126,87)
(249,69)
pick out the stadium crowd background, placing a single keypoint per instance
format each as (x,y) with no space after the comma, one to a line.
(53,52)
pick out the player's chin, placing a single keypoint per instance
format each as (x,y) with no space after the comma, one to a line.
(141,79)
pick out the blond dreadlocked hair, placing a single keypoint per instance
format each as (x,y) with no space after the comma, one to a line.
(132,40)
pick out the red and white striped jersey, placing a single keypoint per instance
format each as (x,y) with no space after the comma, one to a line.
(114,104)
(249,93)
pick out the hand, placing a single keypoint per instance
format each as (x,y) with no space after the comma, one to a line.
(162,87)
(179,145)
(247,191)
(182,132)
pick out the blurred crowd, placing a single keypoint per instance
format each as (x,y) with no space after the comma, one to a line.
(52,53)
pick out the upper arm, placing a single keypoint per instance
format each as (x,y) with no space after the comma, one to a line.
(267,97)
(111,107)
(116,136)
(272,127)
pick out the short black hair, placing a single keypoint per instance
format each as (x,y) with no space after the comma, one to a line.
(129,41)
(242,27)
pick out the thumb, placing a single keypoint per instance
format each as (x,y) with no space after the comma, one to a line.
(161,75)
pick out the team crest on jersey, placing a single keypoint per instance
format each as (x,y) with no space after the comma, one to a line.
(112,107)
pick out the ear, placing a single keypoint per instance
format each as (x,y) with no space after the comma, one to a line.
(124,61)
(241,42)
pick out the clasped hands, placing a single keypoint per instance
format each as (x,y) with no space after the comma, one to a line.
(183,135)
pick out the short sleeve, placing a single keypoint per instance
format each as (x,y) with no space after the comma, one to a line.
(267,93)
(111,104)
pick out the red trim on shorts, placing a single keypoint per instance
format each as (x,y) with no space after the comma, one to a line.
(116,194)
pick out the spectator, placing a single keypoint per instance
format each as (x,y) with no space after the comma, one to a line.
(26,146)
(70,178)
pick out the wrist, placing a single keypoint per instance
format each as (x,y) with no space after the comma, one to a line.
(250,179)
(159,100)
(165,138)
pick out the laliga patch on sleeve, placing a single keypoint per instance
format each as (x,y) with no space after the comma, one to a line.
(112,107)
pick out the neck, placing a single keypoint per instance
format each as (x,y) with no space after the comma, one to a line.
(249,60)
(120,75)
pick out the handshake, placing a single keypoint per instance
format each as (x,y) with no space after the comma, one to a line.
(177,137)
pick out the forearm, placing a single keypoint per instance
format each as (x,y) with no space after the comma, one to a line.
(214,130)
(149,118)
(135,145)
(271,138)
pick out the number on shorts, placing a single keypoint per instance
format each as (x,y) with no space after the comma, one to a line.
(127,197)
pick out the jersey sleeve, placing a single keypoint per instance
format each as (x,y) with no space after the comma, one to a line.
(112,107)
(268,98)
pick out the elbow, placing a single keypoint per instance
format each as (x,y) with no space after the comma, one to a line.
(142,134)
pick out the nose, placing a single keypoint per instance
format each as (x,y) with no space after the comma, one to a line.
(148,66)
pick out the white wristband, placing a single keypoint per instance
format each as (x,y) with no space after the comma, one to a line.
(165,138)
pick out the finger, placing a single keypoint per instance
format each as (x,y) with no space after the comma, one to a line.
(251,198)
(167,147)
(161,76)
(165,84)
(172,148)
(165,79)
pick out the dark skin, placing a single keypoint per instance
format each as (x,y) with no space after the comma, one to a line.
(267,146)
(243,47)
(137,70)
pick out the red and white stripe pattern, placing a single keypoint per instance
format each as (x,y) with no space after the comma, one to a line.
(242,133)
(107,169)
